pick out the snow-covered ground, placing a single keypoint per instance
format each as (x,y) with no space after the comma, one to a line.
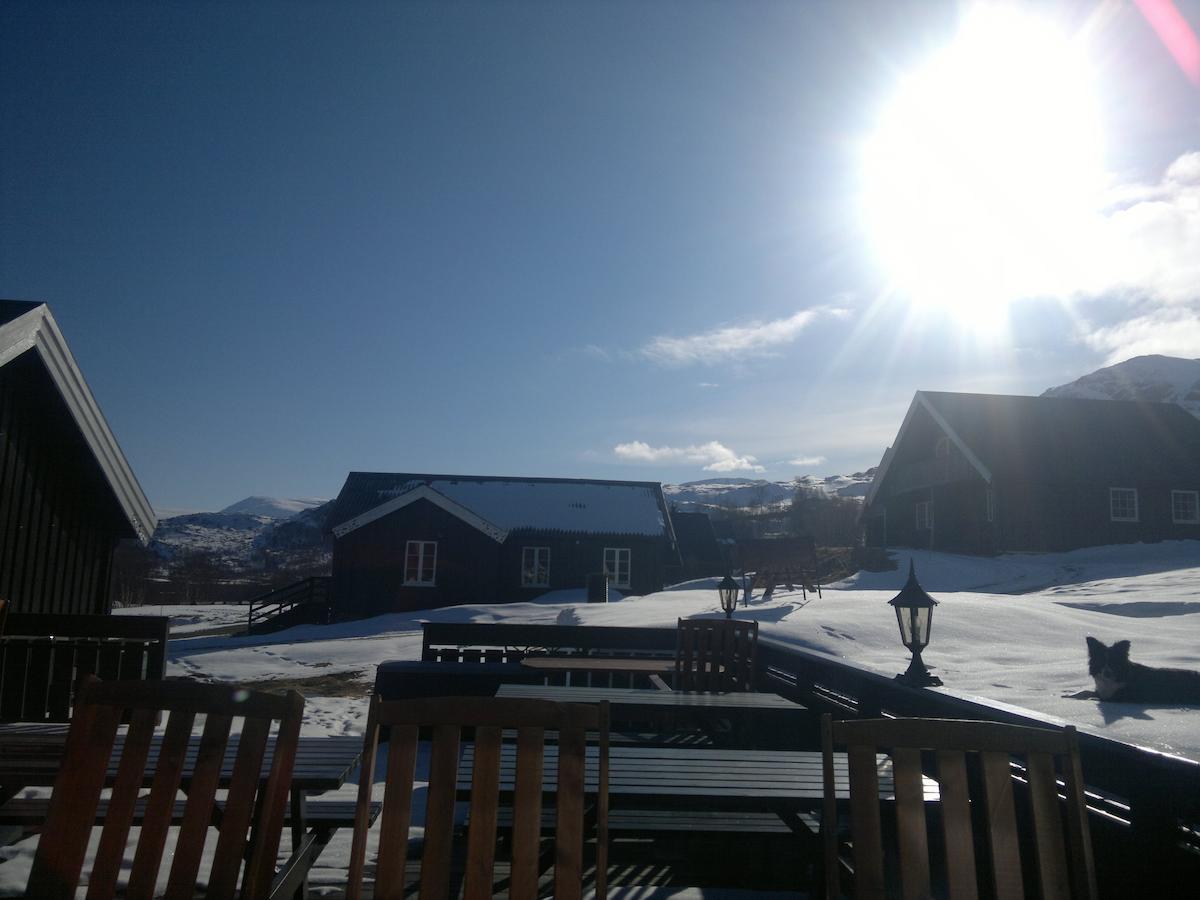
(1010,629)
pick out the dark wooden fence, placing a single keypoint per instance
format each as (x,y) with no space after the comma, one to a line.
(42,658)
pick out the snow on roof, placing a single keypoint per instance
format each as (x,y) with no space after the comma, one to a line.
(534,504)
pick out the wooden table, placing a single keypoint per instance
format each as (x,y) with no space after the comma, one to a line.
(30,754)
(744,711)
(602,665)
(785,782)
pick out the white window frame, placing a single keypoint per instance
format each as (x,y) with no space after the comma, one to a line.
(416,579)
(1112,512)
(923,522)
(1195,517)
(541,565)
(614,577)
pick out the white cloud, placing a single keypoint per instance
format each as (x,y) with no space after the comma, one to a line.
(806,461)
(1171,331)
(731,341)
(707,384)
(715,456)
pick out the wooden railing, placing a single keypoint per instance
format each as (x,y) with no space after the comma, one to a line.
(302,602)
(42,658)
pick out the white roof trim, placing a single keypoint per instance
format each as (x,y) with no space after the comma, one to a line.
(920,399)
(422,492)
(37,330)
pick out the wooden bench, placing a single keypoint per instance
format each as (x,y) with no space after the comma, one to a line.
(319,814)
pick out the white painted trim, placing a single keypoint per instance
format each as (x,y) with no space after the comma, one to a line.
(1136,505)
(421,545)
(536,548)
(617,562)
(37,330)
(939,419)
(1196,497)
(421,492)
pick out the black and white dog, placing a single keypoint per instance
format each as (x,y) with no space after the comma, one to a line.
(1122,681)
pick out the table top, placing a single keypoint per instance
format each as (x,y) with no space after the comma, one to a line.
(648,665)
(696,776)
(30,754)
(737,700)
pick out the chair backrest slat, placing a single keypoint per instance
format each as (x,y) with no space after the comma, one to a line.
(1051,850)
(439,812)
(197,814)
(100,707)
(58,863)
(971,757)
(1003,840)
(527,811)
(910,823)
(957,831)
(485,803)
(470,731)
(397,811)
(131,771)
(156,820)
(715,654)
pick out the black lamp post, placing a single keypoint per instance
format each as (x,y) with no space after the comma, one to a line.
(914,612)
(728,589)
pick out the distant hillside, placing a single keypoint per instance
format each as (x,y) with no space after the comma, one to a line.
(271,507)
(744,493)
(1158,379)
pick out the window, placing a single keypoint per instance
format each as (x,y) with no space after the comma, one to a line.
(1185,507)
(420,562)
(535,567)
(941,447)
(924,515)
(1123,504)
(616,566)
(990,505)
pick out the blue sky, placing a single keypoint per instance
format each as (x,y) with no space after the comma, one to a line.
(618,240)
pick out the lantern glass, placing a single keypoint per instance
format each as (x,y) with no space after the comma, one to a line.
(728,591)
(914,622)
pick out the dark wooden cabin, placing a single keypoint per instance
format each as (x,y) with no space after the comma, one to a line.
(981,473)
(699,551)
(67,494)
(405,541)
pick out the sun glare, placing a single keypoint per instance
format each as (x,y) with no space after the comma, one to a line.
(985,173)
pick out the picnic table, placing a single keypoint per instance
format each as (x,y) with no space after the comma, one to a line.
(742,709)
(787,783)
(31,755)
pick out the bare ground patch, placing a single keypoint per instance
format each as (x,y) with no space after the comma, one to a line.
(336,684)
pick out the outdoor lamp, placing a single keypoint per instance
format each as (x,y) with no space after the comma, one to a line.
(728,589)
(914,612)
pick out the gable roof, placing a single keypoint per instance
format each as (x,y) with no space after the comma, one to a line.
(569,505)
(422,492)
(30,328)
(1062,439)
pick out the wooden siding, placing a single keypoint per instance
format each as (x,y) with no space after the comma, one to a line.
(59,522)
(368,563)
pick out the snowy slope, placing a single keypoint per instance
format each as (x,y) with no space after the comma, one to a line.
(271,507)
(751,492)
(1159,379)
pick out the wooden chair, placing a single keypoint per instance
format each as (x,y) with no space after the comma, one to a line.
(516,771)
(978,810)
(715,655)
(58,862)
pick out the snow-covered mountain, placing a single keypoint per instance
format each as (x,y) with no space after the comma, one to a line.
(241,536)
(757,492)
(1158,379)
(271,507)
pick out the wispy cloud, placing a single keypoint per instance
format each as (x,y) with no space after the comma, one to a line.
(807,461)
(1173,331)
(715,456)
(753,339)
(707,384)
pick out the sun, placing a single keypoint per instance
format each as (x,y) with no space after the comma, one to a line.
(984,176)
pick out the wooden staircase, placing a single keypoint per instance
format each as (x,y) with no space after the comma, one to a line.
(304,602)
